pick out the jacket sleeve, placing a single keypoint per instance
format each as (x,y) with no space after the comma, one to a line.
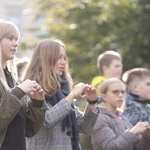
(35,116)
(55,114)
(9,105)
(104,138)
(86,120)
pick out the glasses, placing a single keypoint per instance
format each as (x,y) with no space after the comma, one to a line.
(117,92)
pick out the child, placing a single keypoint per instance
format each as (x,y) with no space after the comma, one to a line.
(138,98)
(18,117)
(114,131)
(22,65)
(109,65)
(63,120)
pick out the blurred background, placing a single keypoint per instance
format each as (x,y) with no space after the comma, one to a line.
(88,28)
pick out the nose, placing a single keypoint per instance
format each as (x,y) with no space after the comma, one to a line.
(63,61)
(15,43)
(122,94)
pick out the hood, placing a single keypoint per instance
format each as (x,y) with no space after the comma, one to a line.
(104,110)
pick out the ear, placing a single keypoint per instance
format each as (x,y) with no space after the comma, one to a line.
(134,87)
(104,68)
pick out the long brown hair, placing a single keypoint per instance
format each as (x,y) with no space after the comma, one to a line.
(42,66)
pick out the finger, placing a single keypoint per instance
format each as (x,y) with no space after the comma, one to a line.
(83,97)
(31,93)
(80,84)
(80,96)
(34,89)
(87,88)
(41,91)
(35,85)
(38,87)
(147,124)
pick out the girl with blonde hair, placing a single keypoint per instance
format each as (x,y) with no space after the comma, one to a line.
(17,116)
(113,131)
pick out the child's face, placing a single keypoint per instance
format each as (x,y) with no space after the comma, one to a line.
(9,46)
(115,95)
(143,88)
(114,70)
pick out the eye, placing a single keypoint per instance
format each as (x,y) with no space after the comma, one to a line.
(117,92)
(62,57)
(10,38)
(123,92)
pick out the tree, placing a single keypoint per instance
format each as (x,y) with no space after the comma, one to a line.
(131,27)
(91,27)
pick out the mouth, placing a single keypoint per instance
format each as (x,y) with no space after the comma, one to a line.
(13,50)
(62,69)
(120,101)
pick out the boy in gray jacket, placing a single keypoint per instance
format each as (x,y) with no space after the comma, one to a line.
(138,98)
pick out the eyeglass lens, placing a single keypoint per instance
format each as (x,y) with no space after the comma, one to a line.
(117,92)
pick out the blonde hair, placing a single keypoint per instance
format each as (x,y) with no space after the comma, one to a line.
(8,28)
(42,66)
(105,84)
(106,58)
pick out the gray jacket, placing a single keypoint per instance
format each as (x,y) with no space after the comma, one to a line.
(51,137)
(111,132)
(137,109)
(11,102)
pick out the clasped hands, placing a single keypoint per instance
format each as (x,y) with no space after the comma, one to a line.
(32,89)
(141,127)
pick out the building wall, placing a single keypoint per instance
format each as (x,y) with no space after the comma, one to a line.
(20,12)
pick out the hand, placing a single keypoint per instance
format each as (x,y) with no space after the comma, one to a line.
(77,90)
(140,127)
(39,94)
(28,86)
(90,93)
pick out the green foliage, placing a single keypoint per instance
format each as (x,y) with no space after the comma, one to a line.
(90,27)
(131,26)
(28,44)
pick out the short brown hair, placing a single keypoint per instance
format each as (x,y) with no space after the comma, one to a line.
(135,75)
(106,58)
